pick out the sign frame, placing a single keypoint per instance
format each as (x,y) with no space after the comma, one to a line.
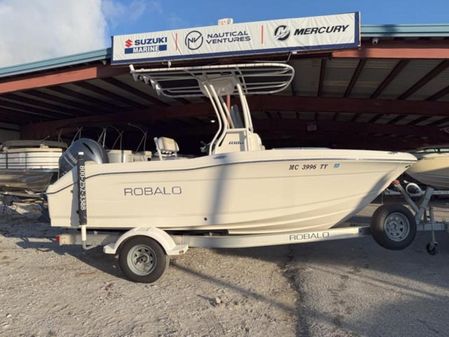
(196,33)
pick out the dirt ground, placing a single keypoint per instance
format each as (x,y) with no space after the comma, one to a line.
(339,288)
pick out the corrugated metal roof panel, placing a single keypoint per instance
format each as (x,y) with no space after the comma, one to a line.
(90,93)
(345,116)
(372,75)
(412,73)
(364,117)
(408,119)
(385,118)
(69,98)
(307,76)
(288,114)
(57,62)
(325,115)
(444,98)
(431,120)
(25,95)
(307,116)
(429,30)
(338,75)
(118,91)
(146,89)
(439,82)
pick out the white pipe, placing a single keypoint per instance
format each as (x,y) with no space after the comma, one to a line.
(220,123)
(244,106)
(227,113)
(222,114)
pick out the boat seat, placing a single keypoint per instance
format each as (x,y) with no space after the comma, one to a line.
(166,148)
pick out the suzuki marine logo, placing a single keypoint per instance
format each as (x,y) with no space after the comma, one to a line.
(194,40)
(282,33)
(128,43)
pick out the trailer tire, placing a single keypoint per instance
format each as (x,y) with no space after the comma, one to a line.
(142,259)
(393,227)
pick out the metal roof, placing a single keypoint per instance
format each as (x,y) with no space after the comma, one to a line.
(57,62)
(428,30)
(385,31)
(388,95)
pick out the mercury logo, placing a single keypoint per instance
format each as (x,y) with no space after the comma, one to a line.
(282,33)
(128,43)
(194,40)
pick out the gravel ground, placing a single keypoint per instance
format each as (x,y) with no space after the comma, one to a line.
(340,288)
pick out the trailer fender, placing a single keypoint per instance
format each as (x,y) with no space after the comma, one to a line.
(160,236)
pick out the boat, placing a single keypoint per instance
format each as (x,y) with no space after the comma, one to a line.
(239,186)
(29,166)
(432,167)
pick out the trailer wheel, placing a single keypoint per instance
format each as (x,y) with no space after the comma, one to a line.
(393,226)
(142,259)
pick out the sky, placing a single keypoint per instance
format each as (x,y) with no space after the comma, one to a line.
(33,30)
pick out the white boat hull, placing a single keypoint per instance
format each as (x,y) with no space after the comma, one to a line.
(432,169)
(243,192)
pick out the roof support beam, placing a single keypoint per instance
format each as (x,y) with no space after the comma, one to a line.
(355,105)
(35,103)
(97,104)
(279,127)
(294,125)
(392,49)
(58,100)
(390,78)
(426,79)
(435,97)
(348,141)
(396,119)
(119,84)
(418,120)
(441,122)
(109,95)
(355,77)
(322,76)
(28,110)
(257,103)
(61,76)
(375,118)
(18,117)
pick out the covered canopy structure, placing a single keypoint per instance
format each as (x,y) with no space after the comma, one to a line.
(391,93)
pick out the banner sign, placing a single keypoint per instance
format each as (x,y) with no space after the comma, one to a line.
(328,32)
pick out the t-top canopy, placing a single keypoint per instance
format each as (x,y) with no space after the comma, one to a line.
(255,78)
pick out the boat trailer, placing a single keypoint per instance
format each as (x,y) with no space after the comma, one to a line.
(144,252)
(422,209)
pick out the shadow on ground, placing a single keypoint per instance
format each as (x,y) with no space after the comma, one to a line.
(344,288)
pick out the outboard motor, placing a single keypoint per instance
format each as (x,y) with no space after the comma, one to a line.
(93,151)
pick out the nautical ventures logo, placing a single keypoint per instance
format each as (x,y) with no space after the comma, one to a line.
(282,33)
(194,40)
(148,45)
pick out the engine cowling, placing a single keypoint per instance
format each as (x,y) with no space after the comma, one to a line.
(93,151)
